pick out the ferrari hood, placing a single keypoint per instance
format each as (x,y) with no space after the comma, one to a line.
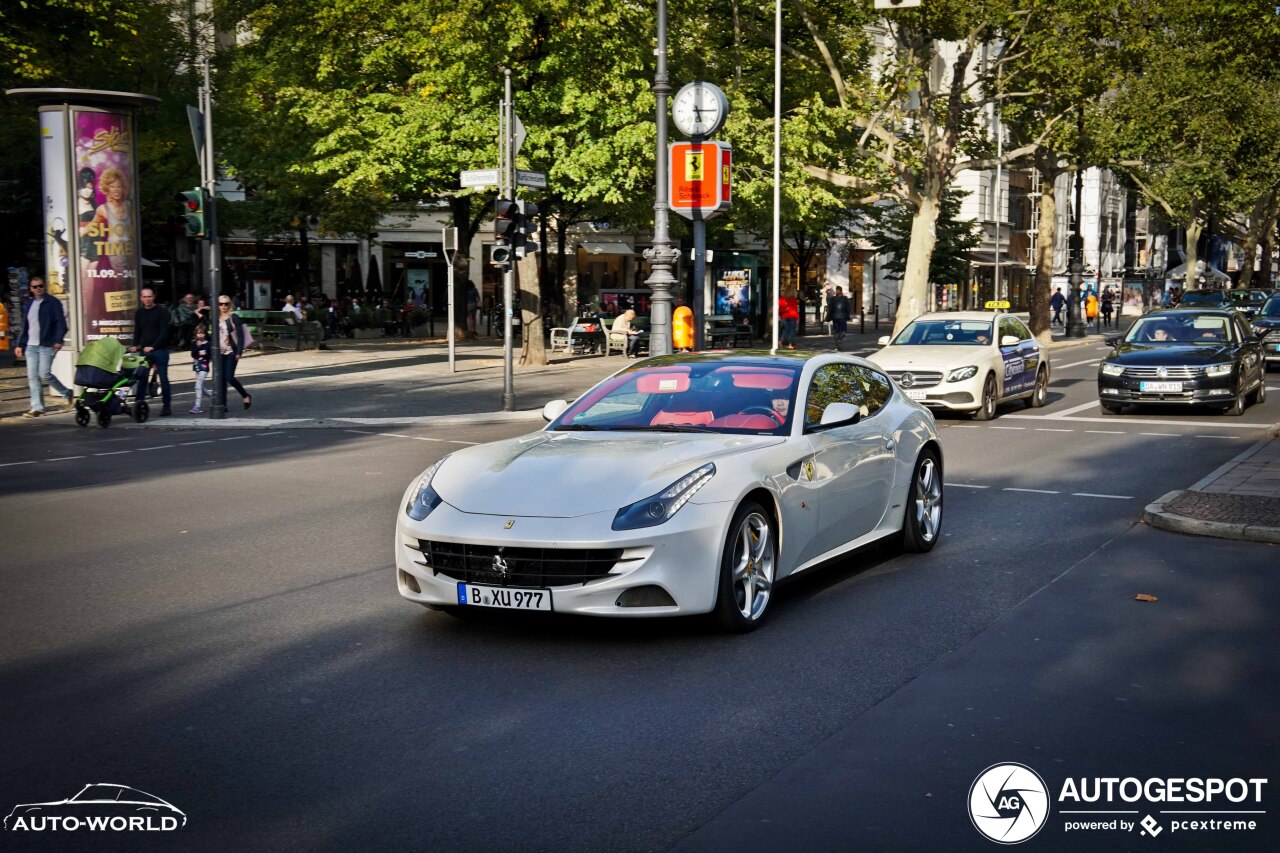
(567,474)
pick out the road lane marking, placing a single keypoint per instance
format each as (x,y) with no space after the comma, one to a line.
(1004,427)
(189,443)
(113,453)
(265,434)
(63,458)
(967,486)
(1035,491)
(1076,363)
(1105,431)
(413,437)
(236,438)
(361,431)
(9,464)
(159,447)
(1118,420)
(964,426)
(1052,429)
(463,442)
(1217,436)
(1092,495)
(1163,434)
(1065,412)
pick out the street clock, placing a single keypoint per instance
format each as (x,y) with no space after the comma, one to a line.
(699,109)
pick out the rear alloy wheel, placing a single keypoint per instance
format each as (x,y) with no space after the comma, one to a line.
(987,409)
(747,569)
(1238,403)
(923,520)
(1040,395)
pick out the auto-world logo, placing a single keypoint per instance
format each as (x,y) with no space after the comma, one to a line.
(1008,803)
(101,807)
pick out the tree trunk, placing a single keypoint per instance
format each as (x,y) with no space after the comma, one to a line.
(533,349)
(1194,229)
(1264,264)
(561,228)
(914,297)
(1046,235)
(1261,223)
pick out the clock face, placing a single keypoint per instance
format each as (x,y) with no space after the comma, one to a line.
(699,109)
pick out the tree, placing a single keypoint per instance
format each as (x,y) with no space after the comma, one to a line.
(956,238)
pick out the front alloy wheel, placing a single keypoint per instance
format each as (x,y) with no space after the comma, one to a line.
(987,409)
(923,522)
(1241,400)
(1040,395)
(747,569)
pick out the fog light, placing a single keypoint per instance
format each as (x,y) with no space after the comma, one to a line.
(410,581)
(1110,391)
(1219,390)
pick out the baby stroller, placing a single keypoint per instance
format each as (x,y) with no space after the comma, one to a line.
(113,380)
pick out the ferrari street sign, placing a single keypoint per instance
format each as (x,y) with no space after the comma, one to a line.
(701,186)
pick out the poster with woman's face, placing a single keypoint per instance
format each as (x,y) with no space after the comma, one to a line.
(106,213)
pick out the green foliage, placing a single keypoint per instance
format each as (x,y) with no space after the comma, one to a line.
(890,232)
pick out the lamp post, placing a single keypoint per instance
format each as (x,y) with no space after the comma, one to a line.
(661,255)
(1075,328)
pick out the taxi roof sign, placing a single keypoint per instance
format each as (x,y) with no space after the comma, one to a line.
(997,305)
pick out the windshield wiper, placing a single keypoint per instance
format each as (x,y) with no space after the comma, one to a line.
(576,428)
(668,428)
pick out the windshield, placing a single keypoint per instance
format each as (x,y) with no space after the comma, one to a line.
(945,333)
(1210,297)
(1182,330)
(713,397)
(1272,308)
(1246,297)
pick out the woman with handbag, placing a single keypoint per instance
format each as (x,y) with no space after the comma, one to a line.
(231,343)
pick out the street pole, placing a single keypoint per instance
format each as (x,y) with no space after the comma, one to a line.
(450,247)
(661,255)
(508,178)
(213,246)
(1075,328)
(699,282)
(777,167)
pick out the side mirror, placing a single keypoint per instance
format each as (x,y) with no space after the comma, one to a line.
(1009,340)
(554,409)
(838,413)
(1260,331)
(1112,341)
(883,341)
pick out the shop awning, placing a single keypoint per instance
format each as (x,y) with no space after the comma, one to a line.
(988,259)
(606,248)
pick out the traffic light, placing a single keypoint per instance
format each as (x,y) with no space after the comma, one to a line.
(526,225)
(506,224)
(500,255)
(193,211)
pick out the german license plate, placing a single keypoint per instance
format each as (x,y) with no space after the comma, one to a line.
(914,393)
(1276,347)
(504,597)
(1161,386)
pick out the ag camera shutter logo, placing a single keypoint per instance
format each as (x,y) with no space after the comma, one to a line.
(1008,803)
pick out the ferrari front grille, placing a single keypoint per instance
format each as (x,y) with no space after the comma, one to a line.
(502,566)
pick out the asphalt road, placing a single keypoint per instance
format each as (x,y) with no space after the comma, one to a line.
(212,617)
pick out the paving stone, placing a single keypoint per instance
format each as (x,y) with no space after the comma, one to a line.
(1228,507)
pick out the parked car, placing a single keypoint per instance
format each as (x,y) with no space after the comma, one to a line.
(1247,301)
(967,361)
(1184,356)
(686,483)
(1205,299)
(1266,325)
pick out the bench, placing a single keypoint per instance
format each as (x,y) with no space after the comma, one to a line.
(723,331)
(276,327)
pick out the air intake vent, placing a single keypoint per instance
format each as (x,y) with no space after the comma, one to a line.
(410,581)
(650,595)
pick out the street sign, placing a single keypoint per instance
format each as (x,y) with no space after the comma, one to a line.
(420,255)
(700,178)
(479,178)
(196,119)
(531,179)
(519,135)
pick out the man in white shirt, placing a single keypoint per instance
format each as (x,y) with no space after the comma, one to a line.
(293,309)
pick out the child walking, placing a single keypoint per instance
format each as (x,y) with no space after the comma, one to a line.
(200,364)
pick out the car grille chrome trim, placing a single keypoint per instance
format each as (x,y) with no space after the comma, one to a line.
(1273,337)
(497,565)
(919,378)
(1178,372)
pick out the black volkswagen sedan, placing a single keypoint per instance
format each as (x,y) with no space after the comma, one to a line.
(1267,326)
(1199,358)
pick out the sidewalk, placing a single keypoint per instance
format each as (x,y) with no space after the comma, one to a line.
(391,381)
(1240,500)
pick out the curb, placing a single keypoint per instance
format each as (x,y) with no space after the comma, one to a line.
(338,423)
(1156,515)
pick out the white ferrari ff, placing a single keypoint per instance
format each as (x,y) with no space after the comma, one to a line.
(966,361)
(681,484)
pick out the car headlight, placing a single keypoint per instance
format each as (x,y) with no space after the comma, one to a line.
(654,510)
(962,373)
(424,497)
(1218,369)
(1112,369)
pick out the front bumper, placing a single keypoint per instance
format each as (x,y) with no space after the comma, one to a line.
(963,396)
(681,557)
(1197,391)
(1271,346)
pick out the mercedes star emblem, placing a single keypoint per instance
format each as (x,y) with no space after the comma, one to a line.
(907,380)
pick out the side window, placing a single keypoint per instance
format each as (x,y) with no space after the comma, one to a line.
(1241,332)
(832,383)
(1024,334)
(876,389)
